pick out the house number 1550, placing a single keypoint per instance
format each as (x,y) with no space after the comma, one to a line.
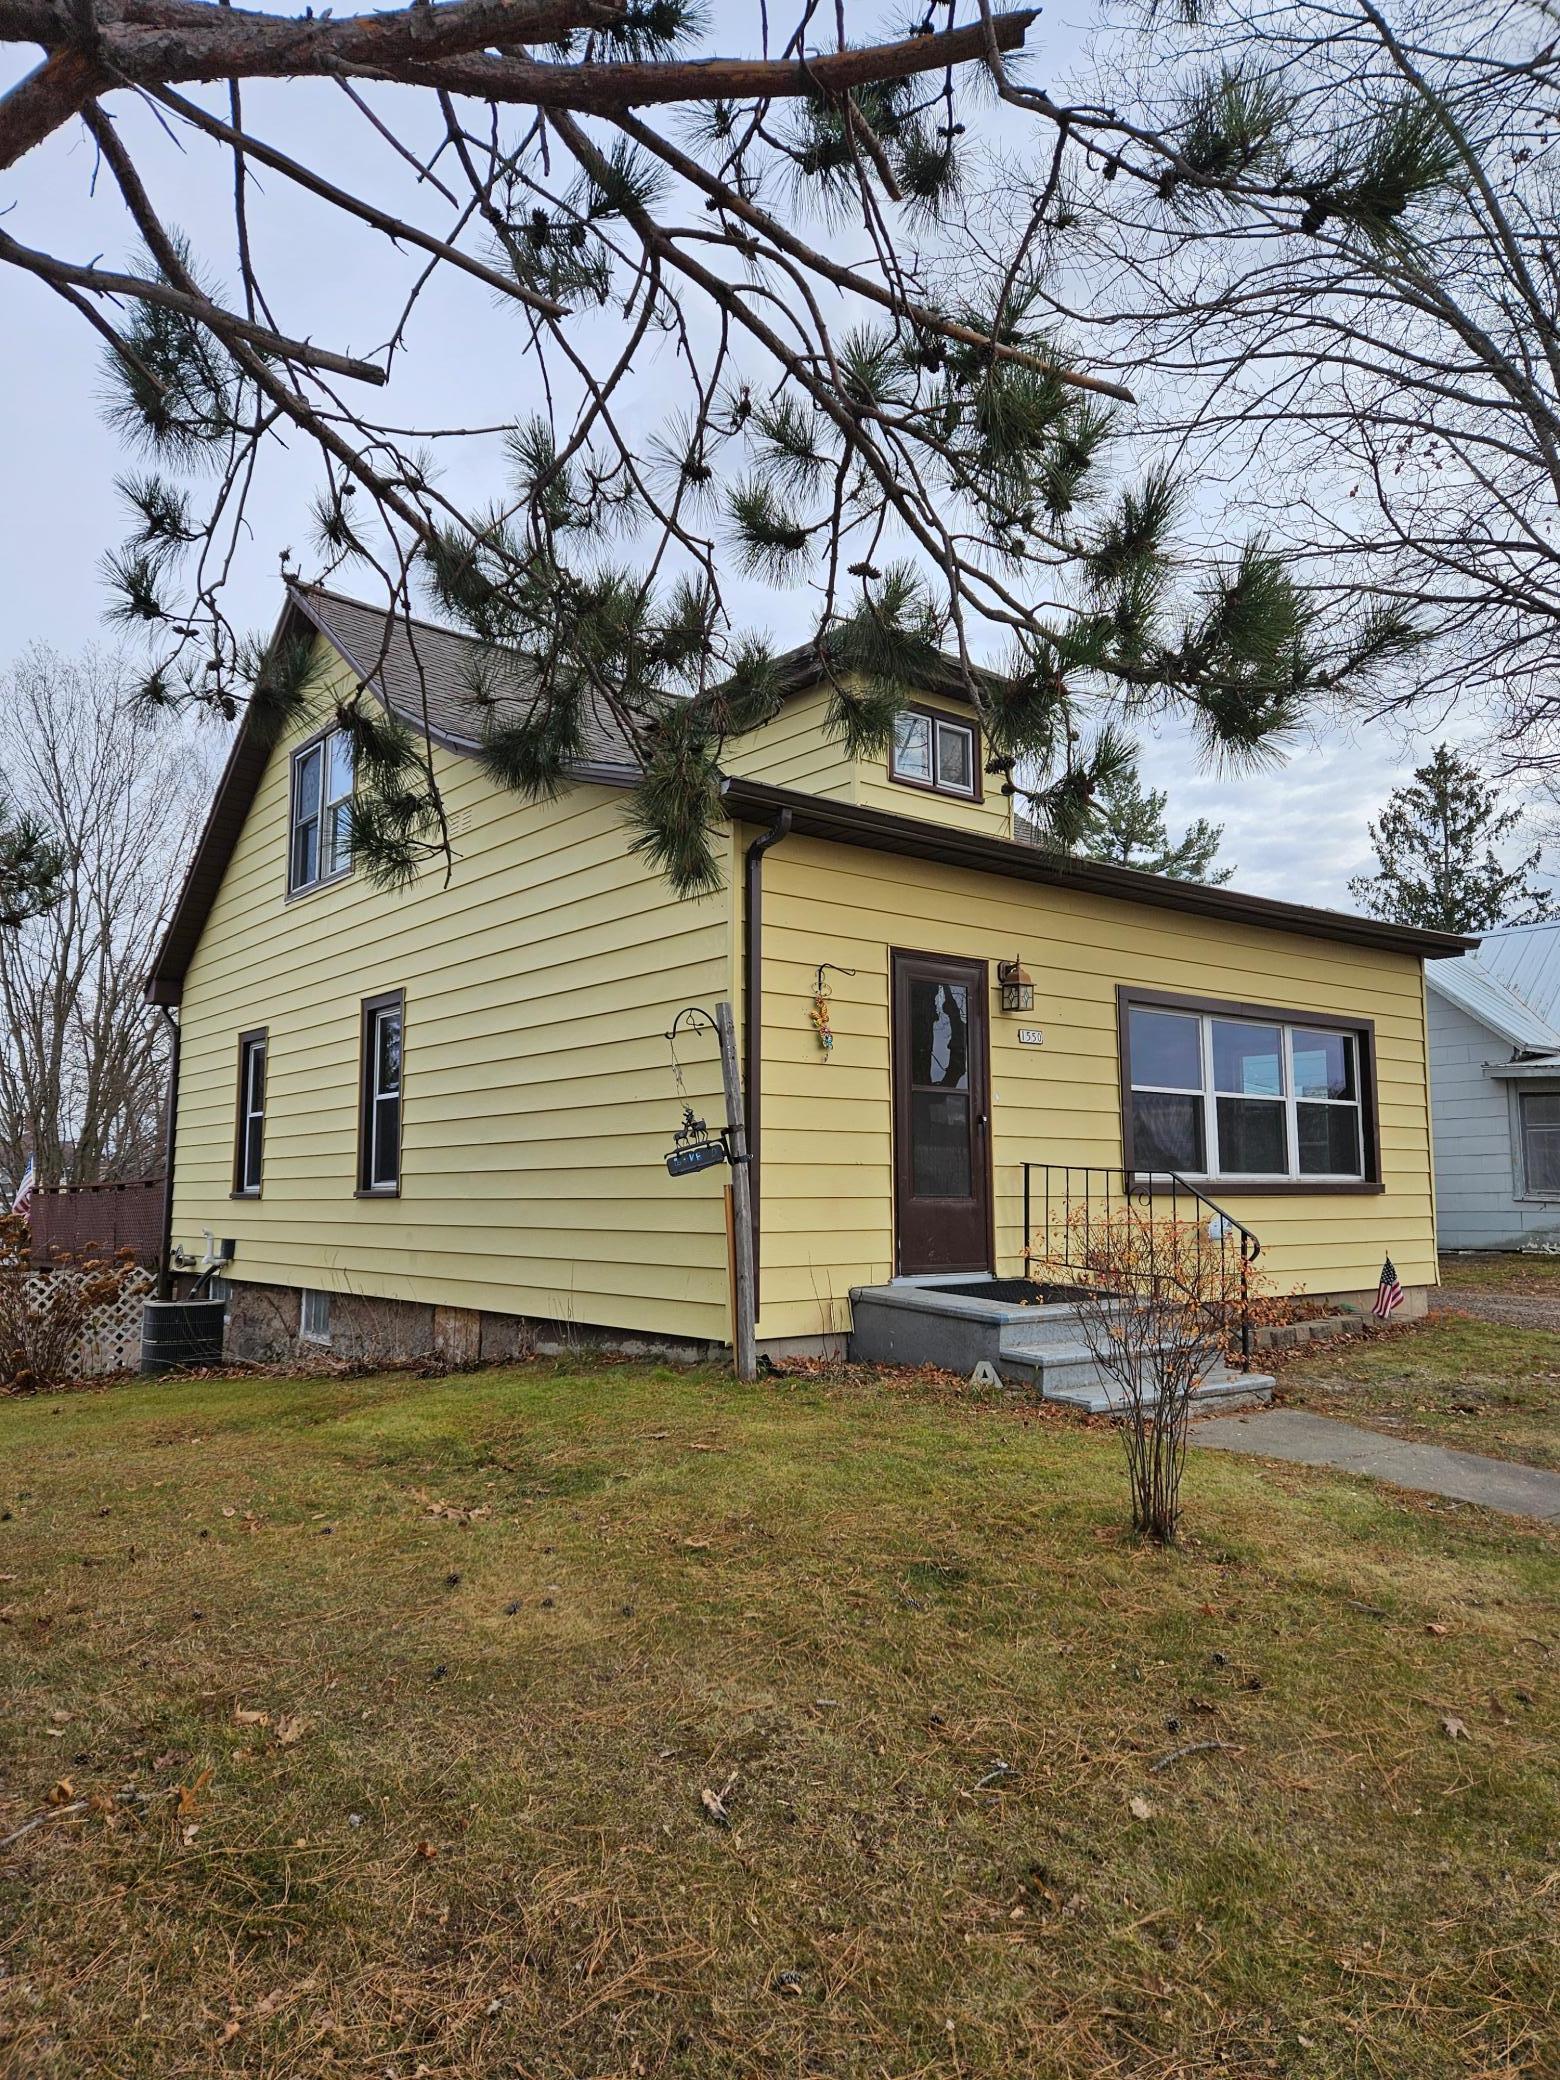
(1031,1036)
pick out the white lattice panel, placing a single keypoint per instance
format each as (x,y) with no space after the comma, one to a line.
(111,1341)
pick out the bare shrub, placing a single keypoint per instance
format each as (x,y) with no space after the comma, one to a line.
(1159,1303)
(43,1315)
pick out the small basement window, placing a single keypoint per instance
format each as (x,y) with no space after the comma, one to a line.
(314,1317)
(936,752)
(320,845)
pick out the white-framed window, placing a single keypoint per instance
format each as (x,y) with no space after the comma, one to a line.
(320,846)
(1245,1097)
(937,752)
(314,1316)
(379,1130)
(1538,1114)
(249,1152)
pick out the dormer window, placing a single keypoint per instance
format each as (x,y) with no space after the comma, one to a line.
(936,752)
(320,847)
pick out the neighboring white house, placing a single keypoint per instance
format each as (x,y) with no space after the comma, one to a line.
(1494,1030)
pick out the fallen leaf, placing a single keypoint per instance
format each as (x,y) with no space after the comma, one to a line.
(1438,1631)
(229,1511)
(242,1716)
(1140,1808)
(189,1794)
(63,1792)
(715,1806)
(290,1727)
(426,1851)
(697,1545)
(1454,1729)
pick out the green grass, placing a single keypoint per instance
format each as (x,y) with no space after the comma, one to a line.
(519,1623)
(1511,1272)
(1478,1386)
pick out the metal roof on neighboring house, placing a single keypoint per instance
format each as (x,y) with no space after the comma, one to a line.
(1526,958)
(1473,986)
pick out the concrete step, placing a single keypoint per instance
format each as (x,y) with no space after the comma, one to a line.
(1101,1397)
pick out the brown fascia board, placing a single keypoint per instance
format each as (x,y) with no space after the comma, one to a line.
(881,830)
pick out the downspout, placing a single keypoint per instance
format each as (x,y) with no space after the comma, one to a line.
(170,1144)
(753,1017)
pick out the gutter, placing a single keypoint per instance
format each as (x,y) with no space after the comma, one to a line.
(170,1145)
(753,1017)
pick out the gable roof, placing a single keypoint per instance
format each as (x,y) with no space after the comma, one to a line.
(1476,986)
(1526,959)
(454,683)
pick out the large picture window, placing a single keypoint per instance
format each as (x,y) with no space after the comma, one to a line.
(249,1142)
(320,846)
(1247,1095)
(379,1128)
(937,752)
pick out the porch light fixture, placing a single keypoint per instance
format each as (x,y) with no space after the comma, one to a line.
(1018,992)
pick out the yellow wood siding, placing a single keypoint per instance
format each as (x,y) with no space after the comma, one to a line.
(796,750)
(827,1178)
(538,1093)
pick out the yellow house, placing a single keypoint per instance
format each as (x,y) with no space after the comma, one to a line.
(433,1121)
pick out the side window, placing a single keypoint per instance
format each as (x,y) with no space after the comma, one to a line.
(936,752)
(249,1141)
(321,835)
(1540,1111)
(379,1122)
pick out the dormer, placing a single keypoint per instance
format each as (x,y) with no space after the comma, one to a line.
(936,767)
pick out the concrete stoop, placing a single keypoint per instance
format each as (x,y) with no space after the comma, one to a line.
(1039,1346)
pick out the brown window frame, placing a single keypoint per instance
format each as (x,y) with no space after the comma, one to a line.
(321,738)
(387,1000)
(1130,999)
(256,1036)
(976,792)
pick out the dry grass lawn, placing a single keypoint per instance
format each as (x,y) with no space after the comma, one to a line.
(1476,1386)
(618,1722)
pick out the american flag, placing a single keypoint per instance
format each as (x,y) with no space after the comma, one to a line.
(1389,1294)
(22,1203)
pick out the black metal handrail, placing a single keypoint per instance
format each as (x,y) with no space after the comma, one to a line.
(1064,1191)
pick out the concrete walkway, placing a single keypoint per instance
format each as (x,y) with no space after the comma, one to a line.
(1307,1440)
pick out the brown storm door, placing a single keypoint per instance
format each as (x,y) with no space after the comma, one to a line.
(942,1185)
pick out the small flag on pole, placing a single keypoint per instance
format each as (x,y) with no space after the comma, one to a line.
(22,1203)
(1389,1294)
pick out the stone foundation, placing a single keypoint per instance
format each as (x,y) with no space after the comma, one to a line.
(262,1329)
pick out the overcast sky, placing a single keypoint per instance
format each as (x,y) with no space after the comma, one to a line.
(1297,830)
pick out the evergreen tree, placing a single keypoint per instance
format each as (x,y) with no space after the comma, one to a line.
(31,868)
(1130,831)
(1438,862)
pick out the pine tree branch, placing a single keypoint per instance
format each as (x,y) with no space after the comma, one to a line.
(191,304)
(189,40)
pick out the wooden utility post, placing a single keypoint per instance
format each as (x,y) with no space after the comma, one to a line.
(744,1326)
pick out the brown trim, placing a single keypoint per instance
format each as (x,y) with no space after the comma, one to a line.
(389,999)
(917,837)
(900,957)
(1128,997)
(170,1151)
(933,786)
(260,1034)
(753,1025)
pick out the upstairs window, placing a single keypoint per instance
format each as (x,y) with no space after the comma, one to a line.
(936,752)
(379,1126)
(1258,1097)
(321,836)
(249,1145)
